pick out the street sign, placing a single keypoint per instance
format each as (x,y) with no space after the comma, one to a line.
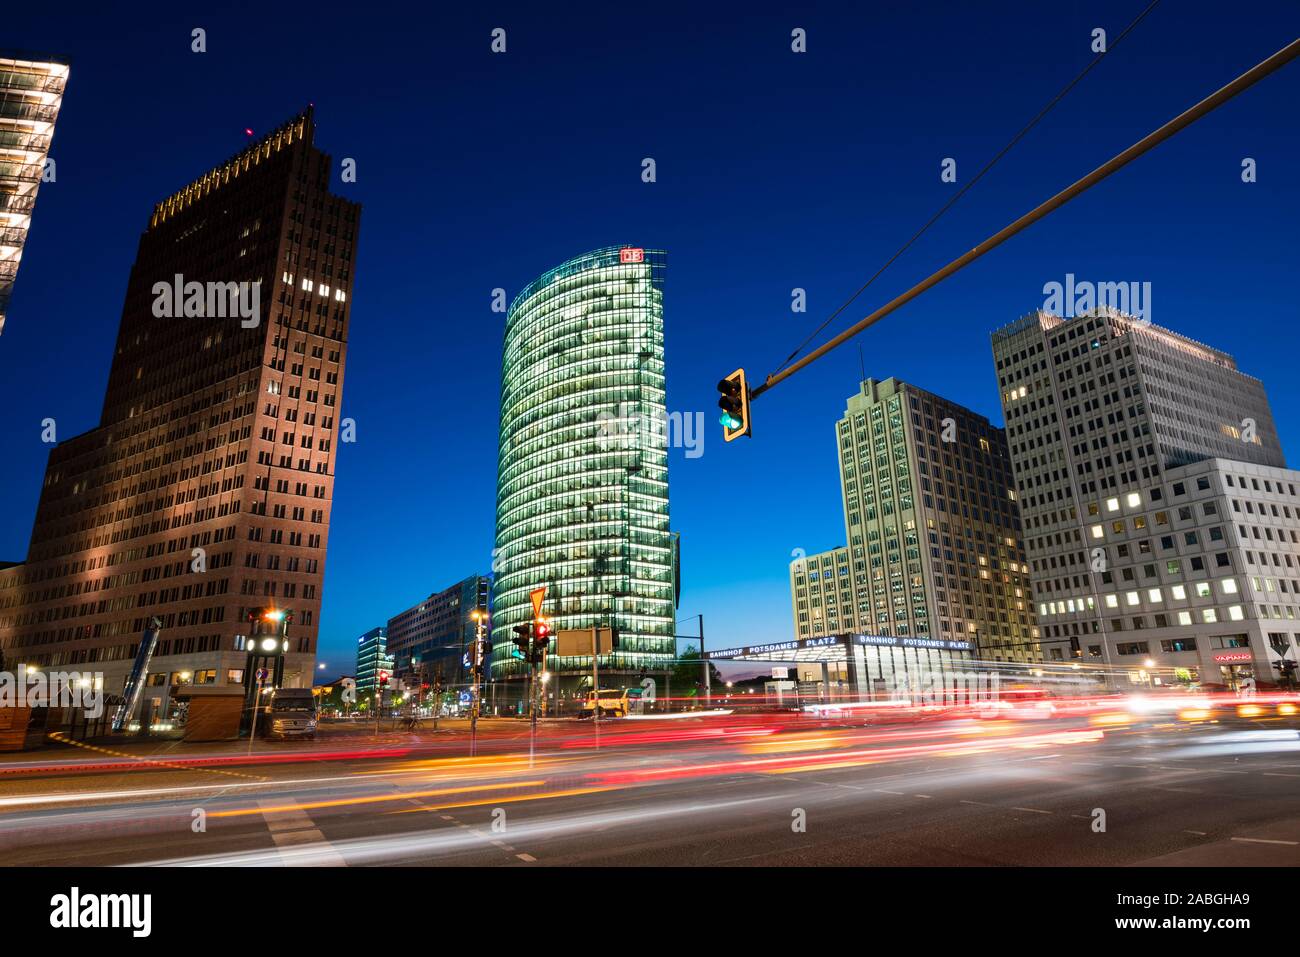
(464,697)
(538,595)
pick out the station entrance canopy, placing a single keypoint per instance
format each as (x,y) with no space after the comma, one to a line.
(832,648)
(864,666)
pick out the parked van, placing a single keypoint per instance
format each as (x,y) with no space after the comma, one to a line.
(290,713)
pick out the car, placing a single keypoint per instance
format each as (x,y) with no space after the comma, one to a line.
(290,713)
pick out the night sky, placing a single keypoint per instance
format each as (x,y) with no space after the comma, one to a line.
(775,170)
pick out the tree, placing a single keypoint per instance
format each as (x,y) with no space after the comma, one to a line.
(687,672)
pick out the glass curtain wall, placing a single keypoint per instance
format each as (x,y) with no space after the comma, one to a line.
(582,479)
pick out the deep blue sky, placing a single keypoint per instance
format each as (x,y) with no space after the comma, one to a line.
(775,170)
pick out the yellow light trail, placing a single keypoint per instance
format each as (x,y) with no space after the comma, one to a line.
(540,796)
(377,799)
(454,767)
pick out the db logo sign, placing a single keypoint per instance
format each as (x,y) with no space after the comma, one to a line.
(631,255)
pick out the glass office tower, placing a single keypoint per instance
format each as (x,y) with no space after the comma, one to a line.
(582,480)
(31,92)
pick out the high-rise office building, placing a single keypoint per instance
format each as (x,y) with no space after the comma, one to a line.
(582,479)
(1161,523)
(204,493)
(31,92)
(439,631)
(933,530)
(372,658)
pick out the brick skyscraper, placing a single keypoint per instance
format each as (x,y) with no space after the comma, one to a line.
(205,490)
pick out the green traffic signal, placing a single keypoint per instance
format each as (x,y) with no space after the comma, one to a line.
(734,403)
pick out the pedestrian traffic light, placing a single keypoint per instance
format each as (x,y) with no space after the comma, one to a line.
(735,405)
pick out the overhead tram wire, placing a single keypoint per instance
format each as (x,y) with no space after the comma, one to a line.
(961,192)
(1147,143)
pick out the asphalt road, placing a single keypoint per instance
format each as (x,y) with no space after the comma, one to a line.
(720,791)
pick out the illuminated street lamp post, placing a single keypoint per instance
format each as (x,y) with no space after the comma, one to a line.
(476,673)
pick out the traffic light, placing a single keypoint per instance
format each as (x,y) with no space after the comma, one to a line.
(523,636)
(734,405)
(480,655)
(541,639)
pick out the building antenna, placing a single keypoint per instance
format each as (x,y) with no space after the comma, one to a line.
(862,363)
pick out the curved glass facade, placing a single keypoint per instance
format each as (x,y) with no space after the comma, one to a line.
(582,474)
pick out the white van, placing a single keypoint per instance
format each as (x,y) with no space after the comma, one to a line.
(290,713)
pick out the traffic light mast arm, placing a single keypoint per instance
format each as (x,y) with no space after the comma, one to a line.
(1147,143)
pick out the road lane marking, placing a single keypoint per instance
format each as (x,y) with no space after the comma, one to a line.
(62,739)
(526,858)
(288,820)
(837,784)
(1261,840)
(1032,810)
(295,829)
